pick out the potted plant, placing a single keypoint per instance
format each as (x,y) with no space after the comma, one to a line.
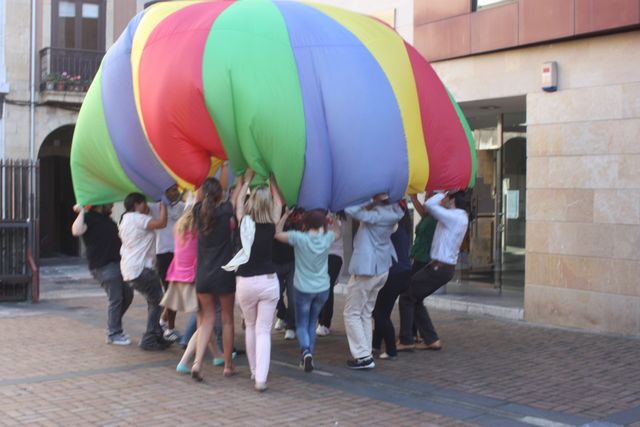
(50,81)
(61,83)
(76,83)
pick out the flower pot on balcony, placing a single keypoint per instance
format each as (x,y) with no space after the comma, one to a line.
(60,86)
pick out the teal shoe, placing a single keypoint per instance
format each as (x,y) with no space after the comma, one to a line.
(182,369)
(218,361)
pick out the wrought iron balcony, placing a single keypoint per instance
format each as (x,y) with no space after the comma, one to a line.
(68,70)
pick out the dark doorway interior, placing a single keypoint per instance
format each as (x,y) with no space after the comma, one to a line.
(56,196)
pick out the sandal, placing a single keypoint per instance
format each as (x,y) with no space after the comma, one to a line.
(195,375)
(229,372)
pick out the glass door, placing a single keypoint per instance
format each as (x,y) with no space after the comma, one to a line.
(496,249)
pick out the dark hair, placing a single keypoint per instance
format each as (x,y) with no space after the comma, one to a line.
(131,201)
(212,192)
(315,219)
(462,200)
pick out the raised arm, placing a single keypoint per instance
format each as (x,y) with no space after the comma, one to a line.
(224,176)
(439,212)
(336,226)
(277,198)
(158,223)
(281,235)
(237,197)
(385,215)
(78,228)
(418,206)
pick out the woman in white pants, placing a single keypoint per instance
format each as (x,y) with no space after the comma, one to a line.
(257,287)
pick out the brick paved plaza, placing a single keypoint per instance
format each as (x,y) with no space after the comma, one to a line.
(56,370)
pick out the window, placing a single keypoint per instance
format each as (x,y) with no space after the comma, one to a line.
(78,24)
(479,4)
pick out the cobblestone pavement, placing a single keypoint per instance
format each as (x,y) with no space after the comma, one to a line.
(56,370)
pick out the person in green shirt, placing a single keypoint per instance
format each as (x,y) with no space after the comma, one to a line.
(421,255)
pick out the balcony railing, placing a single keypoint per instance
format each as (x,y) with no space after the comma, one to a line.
(68,69)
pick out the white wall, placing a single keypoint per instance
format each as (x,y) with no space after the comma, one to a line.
(404,11)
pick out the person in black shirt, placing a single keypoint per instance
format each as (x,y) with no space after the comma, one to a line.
(284,261)
(100,235)
(215,220)
(256,279)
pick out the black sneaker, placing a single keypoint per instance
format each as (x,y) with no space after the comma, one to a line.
(362,363)
(308,362)
(153,346)
(164,343)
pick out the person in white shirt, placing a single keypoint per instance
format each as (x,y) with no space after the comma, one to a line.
(137,232)
(451,212)
(164,252)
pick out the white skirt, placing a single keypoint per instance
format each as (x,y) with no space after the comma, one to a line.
(181,297)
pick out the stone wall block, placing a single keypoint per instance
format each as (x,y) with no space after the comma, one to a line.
(560,205)
(582,309)
(613,206)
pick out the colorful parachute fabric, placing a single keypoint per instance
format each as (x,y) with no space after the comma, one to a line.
(333,103)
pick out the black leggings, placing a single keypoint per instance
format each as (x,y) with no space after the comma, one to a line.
(335,264)
(396,284)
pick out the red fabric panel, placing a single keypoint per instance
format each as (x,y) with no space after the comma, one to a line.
(171,95)
(445,138)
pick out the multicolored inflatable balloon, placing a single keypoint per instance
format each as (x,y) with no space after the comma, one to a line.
(335,104)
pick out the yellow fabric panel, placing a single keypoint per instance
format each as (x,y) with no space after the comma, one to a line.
(388,48)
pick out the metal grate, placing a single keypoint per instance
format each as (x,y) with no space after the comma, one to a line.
(18,230)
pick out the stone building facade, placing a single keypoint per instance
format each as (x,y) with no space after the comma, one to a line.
(582,186)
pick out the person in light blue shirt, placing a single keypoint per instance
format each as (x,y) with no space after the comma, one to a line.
(373,254)
(311,277)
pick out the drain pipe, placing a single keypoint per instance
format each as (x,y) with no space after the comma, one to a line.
(34,251)
(32,100)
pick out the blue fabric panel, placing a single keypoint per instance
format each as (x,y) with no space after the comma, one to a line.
(349,108)
(134,152)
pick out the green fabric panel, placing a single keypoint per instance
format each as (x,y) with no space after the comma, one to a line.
(472,145)
(97,175)
(253,94)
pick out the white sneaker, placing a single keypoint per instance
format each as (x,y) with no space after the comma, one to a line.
(322,331)
(289,334)
(171,335)
(280,325)
(118,339)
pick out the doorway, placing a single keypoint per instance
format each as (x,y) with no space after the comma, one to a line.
(56,195)
(496,250)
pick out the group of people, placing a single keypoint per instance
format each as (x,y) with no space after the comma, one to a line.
(241,243)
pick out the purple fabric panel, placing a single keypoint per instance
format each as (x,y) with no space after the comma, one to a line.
(134,152)
(355,145)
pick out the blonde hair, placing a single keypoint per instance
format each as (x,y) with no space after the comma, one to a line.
(259,205)
(185,225)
